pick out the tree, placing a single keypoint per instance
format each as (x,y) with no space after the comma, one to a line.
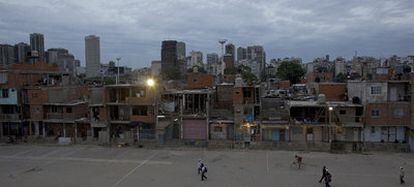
(172,73)
(246,73)
(291,71)
(340,77)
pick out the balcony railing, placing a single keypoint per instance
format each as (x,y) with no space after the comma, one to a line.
(9,116)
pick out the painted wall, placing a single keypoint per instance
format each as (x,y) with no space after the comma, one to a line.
(11,99)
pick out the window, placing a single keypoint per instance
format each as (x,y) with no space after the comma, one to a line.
(342,112)
(376,90)
(218,129)
(140,110)
(398,112)
(372,130)
(4,93)
(3,78)
(375,113)
(309,131)
(54,109)
(68,110)
(247,92)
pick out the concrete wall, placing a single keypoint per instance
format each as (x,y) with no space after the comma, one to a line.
(387,134)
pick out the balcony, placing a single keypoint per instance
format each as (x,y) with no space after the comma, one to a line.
(9,117)
(140,100)
(143,119)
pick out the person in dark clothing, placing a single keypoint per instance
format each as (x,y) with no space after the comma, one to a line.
(203,172)
(199,166)
(402,175)
(328,178)
(323,174)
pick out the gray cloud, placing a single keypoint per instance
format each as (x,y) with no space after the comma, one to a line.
(134,29)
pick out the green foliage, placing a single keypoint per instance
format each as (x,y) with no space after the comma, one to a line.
(291,71)
(246,73)
(230,71)
(172,73)
(322,69)
(340,78)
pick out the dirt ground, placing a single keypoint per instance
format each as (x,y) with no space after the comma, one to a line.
(25,165)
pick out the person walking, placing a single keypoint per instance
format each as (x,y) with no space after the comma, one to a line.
(323,174)
(402,175)
(328,179)
(199,166)
(203,172)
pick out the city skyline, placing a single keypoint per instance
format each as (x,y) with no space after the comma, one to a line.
(373,28)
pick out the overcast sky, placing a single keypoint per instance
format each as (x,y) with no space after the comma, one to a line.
(134,29)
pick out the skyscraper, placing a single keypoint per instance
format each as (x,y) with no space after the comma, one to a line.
(212,64)
(241,53)
(7,55)
(21,51)
(257,55)
(231,50)
(92,55)
(37,45)
(196,59)
(168,55)
(181,51)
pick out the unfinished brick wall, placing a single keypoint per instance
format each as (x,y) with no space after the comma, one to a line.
(333,91)
(199,81)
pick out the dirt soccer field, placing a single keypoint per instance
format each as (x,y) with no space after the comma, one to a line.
(23,165)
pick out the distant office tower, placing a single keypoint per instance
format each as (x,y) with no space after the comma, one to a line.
(212,58)
(37,46)
(181,51)
(7,55)
(168,54)
(196,59)
(212,64)
(92,55)
(256,54)
(21,52)
(231,50)
(241,53)
(61,57)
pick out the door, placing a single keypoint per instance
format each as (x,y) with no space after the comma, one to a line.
(275,135)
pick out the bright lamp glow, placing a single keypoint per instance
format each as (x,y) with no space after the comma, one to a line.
(150,82)
(330,108)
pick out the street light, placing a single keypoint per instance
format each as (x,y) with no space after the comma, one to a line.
(150,82)
(330,123)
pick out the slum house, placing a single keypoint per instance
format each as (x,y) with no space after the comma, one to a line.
(131,112)
(13,98)
(388,118)
(185,112)
(98,117)
(274,119)
(348,119)
(221,125)
(246,103)
(310,121)
(59,113)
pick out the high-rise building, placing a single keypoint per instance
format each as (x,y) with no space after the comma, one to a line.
(21,52)
(228,60)
(61,57)
(37,46)
(92,55)
(181,53)
(231,50)
(196,59)
(7,55)
(168,54)
(213,66)
(241,53)
(256,54)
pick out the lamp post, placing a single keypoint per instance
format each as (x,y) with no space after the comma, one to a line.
(329,125)
(151,84)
